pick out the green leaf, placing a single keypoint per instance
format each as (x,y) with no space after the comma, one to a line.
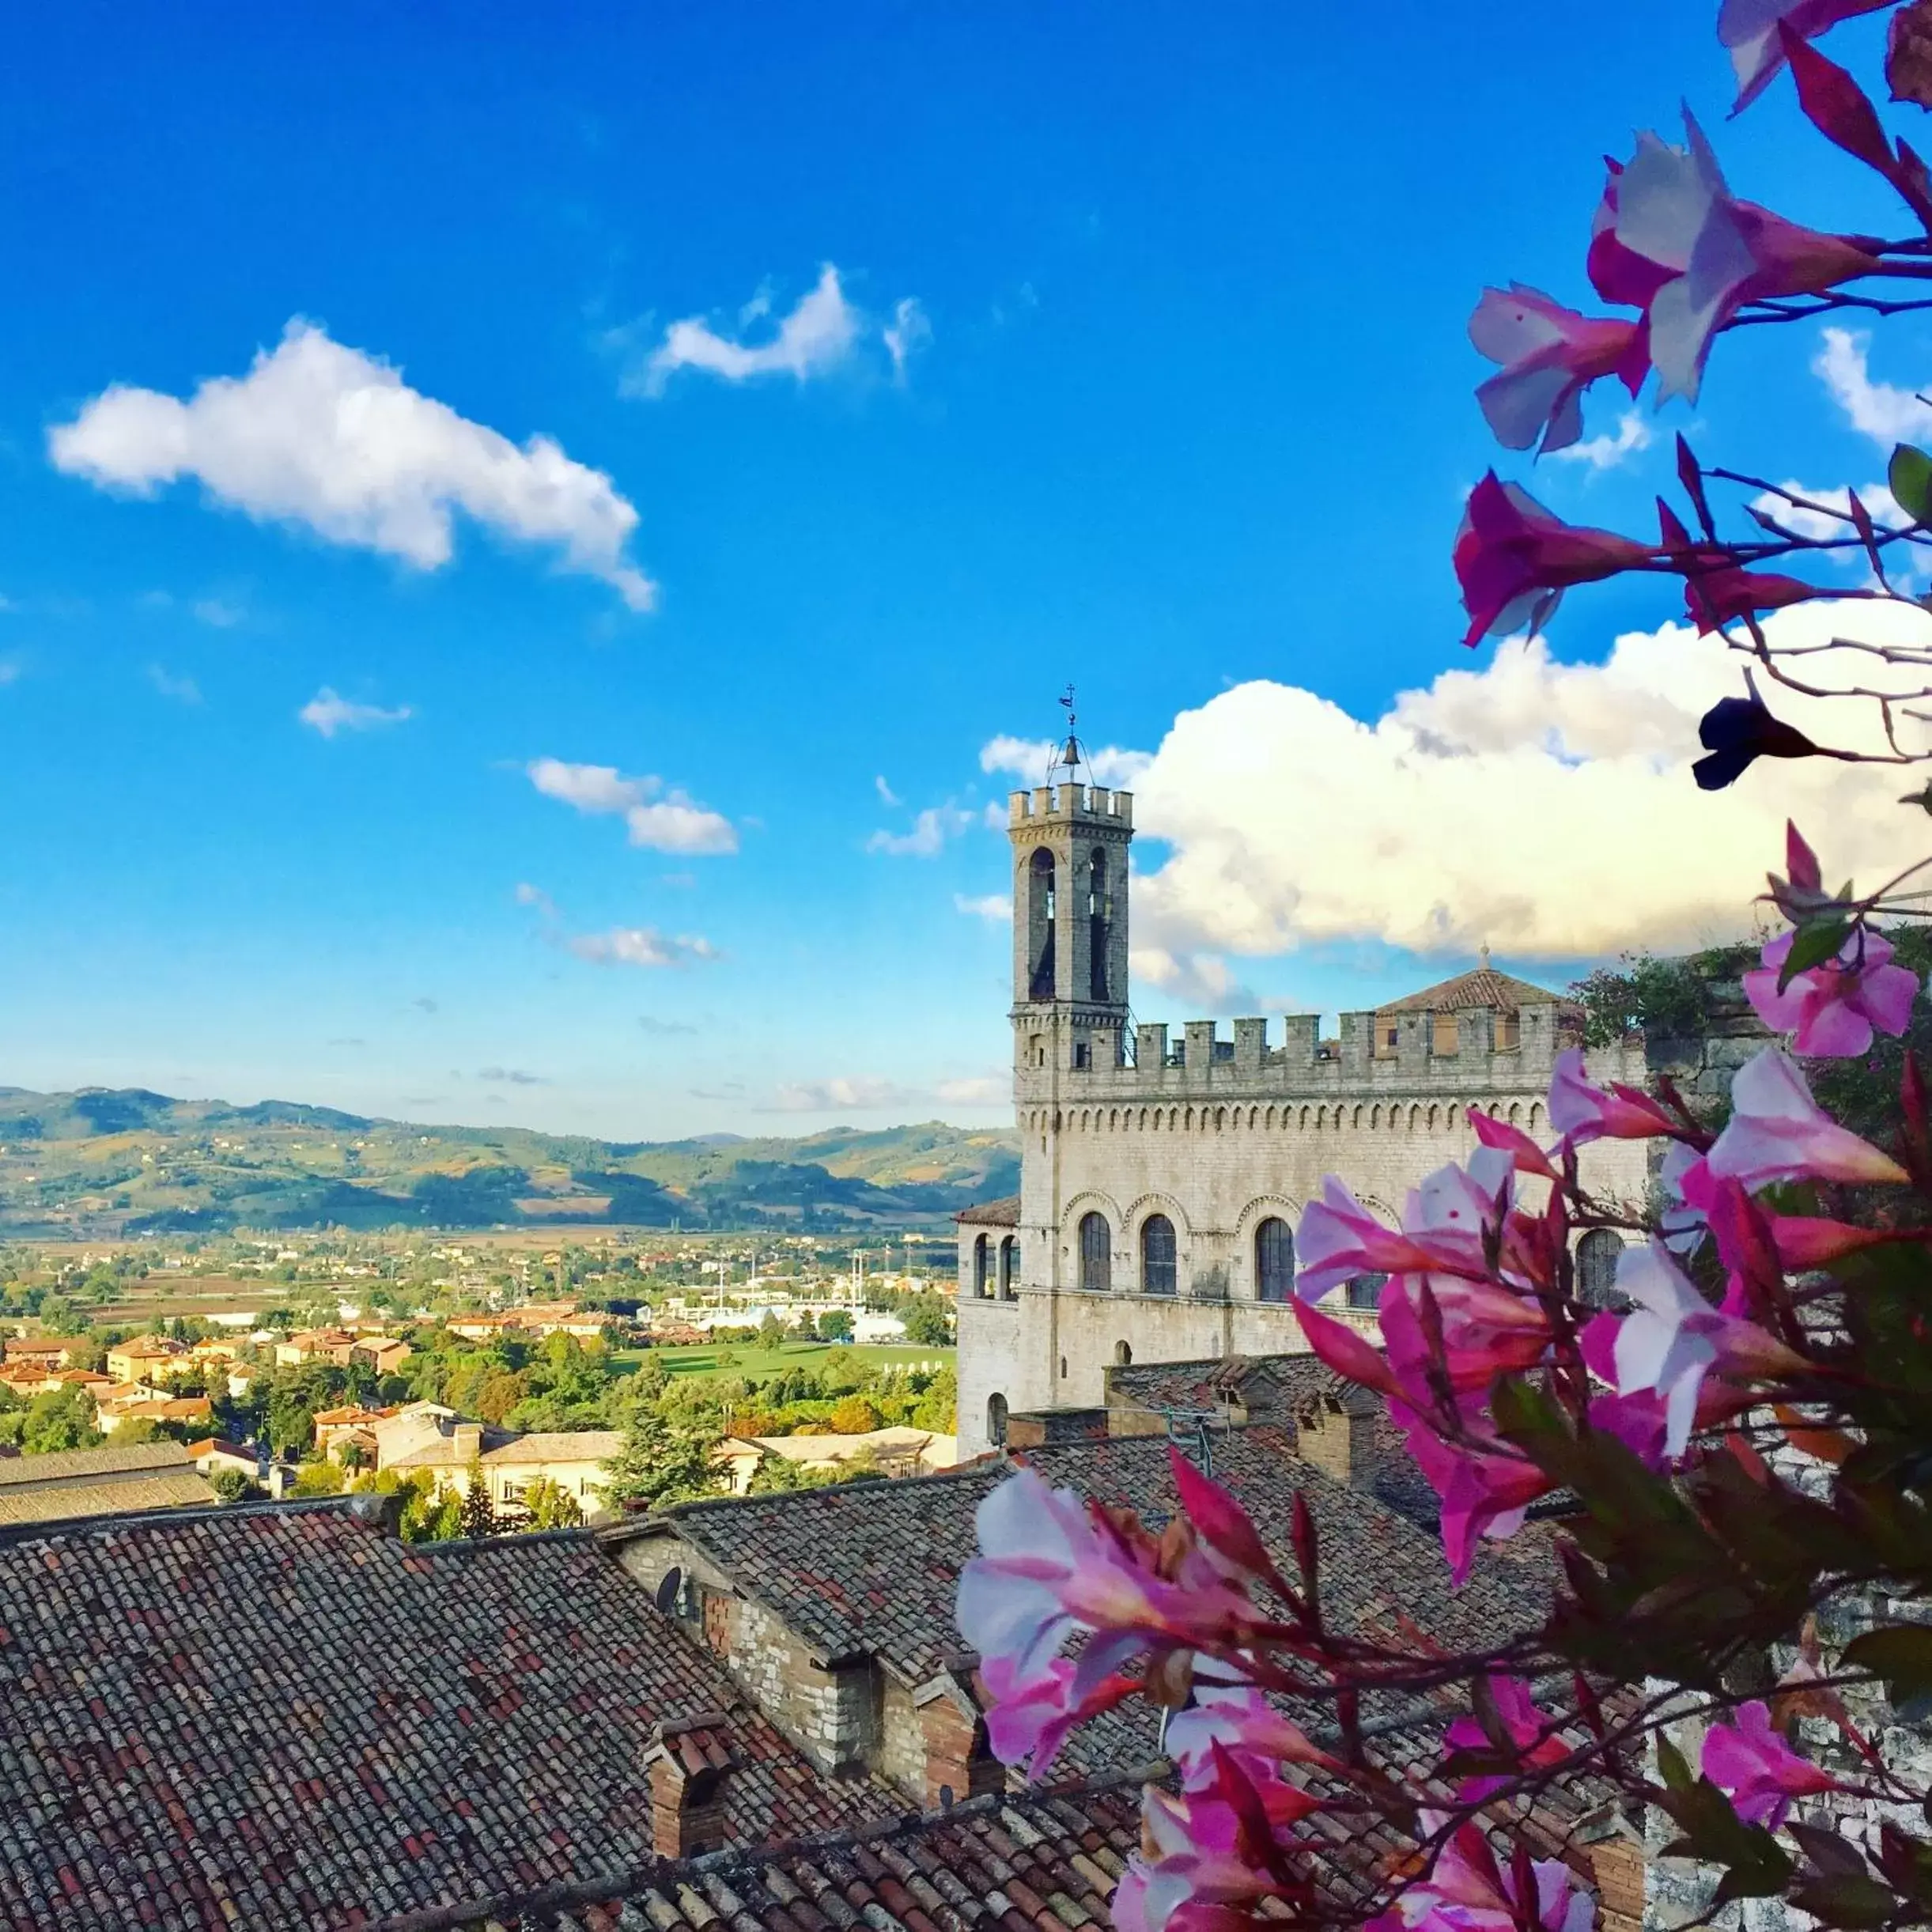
(1812,945)
(1901,1653)
(1909,476)
(1843,1899)
(1670,1761)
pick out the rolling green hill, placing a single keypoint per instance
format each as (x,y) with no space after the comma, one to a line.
(103,1163)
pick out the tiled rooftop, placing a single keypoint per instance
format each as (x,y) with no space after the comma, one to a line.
(560,1445)
(282,1716)
(875,1569)
(1039,1863)
(50,1503)
(68,1466)
(1004,1212)
(1280,1388)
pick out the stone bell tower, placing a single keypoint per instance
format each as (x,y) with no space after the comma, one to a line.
(1070,841)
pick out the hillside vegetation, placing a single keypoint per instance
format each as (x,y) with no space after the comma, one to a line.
(104,1162)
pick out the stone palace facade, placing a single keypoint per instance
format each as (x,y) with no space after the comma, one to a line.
(1162,1179)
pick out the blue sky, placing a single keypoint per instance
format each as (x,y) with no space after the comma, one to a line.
(1144,365)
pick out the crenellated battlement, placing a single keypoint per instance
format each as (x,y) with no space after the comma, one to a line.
(1097,1062)
(1062,804)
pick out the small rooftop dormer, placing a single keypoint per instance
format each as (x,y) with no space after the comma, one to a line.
(1484,991)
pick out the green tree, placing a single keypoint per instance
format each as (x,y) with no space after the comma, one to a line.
(835,1325)
(550,1505)
(663,1462)
(319,1479)
(478,1517)
(231,1486)
(937,1409)
(852,1415)
(771,1331)
(60,1419)
(928,1320)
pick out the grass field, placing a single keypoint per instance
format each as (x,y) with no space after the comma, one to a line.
(754,1364)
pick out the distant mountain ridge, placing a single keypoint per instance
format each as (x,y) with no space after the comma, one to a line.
(108,1162)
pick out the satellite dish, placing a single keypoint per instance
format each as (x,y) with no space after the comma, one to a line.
(668,1590)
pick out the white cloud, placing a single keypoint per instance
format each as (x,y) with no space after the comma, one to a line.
(327,437)
(995,907)
(1883,411)
(183,690)
(1633,435)
(641,945)
(1028,758)
(664,821)
(1820,524)
(327,713)
(931,829)
(1546,808)
(527,894)
(217,613)
(823,333)
(887,795)
(867,1094)
(1200,983)
(908,332)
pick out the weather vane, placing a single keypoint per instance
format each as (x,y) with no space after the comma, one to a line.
(1070,753)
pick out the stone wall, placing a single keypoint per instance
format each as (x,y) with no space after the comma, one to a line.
(833,1716)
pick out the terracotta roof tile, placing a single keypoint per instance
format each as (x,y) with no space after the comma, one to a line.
(384,1731)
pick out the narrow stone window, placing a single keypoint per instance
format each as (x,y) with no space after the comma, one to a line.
(1096,1254)
(1274,1260)
(995,1419)
(979,1267)
(1099,910)
(1157,1255)
(1009,1268)
(1364,1292)
(1123,1355)
(1040,911)
(1596,1268)
(1509,1032)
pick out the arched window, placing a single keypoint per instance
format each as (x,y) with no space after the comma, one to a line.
(1596,1268)
(1123,1355)
(979,1266)
(1157,1255)
(1096,1254)
(1274,1260)
(1009,1268)
(1364,1292)
(1099,910)
(1040,910)
(995,1419)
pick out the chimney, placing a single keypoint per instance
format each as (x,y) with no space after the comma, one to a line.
(468,1438)
(690,1771)
(1337,1434)
(959,1764)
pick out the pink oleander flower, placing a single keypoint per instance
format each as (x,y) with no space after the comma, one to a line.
(1550,355)
(1688,1187)
(1488,1329)
(1528,1157)
(1748,29)
(1467,1891)
(1206,1847)
(1672,238)
(1580,1112)
(1485,1490)
(1832,1009)
(1338,1239)
(1760,1772)
(1514,560)
(1344,1350)
(1051,1565)
(1531,1735)
(1777,1132)
(1672,1338)
(1715,597)
(1242,1721)
(1028,1719)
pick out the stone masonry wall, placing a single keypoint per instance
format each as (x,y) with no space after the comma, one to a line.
(832,1716)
